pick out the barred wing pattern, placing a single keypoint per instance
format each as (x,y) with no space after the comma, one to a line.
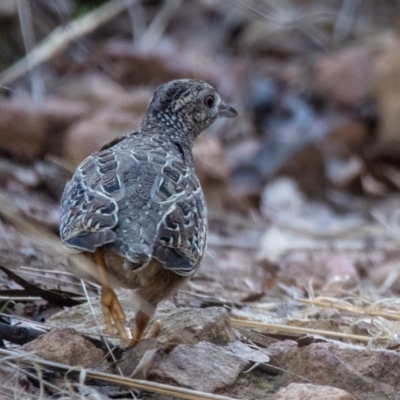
(182,233)
(89,208)
(141,199)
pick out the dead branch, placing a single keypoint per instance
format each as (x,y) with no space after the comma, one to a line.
(61,37)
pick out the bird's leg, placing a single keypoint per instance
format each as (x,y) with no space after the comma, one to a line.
(110,305)
(141,321)
(155,329)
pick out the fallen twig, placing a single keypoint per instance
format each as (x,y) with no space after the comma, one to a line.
(48,295)
(18,334)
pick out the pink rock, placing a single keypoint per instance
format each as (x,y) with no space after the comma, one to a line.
(87,136)
(345,77)
(203,366)
(299,267)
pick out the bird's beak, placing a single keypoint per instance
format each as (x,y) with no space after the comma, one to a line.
(226,111)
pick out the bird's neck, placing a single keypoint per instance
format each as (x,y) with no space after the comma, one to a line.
(172,130)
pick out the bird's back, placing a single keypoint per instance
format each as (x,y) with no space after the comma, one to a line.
(141,198)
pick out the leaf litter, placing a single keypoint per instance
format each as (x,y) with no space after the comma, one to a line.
(302,192)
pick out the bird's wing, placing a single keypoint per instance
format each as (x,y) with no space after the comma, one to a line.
(89,206)
(108,201)
(182,233)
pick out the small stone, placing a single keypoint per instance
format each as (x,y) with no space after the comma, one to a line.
(306,391)
(298,267)
(190,326)
(345,77)
(204,367)
(65,346)
(367,374)
(245,352)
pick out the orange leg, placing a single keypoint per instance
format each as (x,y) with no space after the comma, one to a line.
(110,305)
(141,321)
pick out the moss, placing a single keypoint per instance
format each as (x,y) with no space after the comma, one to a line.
(262,382)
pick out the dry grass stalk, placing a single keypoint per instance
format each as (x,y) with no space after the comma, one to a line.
(57,40)
(154,387)
(238,323)
(159,24)
(373,310)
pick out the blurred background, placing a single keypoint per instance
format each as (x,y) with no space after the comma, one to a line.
(302,187)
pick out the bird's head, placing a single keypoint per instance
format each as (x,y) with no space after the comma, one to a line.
(188,106)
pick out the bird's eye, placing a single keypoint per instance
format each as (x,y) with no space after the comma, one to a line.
(209,101)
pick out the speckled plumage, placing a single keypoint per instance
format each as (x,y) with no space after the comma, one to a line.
(139,199)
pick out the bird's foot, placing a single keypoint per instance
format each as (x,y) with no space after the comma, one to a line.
(153,333)
(155,330)
(112,311)
(141,321)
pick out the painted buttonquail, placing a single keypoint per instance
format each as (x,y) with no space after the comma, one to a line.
(137,206)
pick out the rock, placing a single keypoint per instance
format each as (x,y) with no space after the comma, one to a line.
(60,114)
(15,138)
(245,352)
(281,347)
(203,367)
(87,136)
(133,65)
(65,346)
(178,325)
(345,76)
(99,91)
(266,39)
(94,89)
(46,121)
(190,326)
(366,373)
(299,267)
(306,391)
(281,197)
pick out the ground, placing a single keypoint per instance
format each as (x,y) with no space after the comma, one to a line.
(297,295)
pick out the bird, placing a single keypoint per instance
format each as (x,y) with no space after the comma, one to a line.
(136,207)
